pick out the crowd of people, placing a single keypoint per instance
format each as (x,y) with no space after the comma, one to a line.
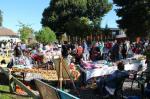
(73,53)
(110,51)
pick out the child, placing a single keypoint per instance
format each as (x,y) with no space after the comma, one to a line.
(74,72)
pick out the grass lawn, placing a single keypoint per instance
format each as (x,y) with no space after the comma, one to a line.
(4,89)
(4,94)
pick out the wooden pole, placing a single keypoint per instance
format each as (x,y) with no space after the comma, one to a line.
(64,67)
(74,86)
(60,73)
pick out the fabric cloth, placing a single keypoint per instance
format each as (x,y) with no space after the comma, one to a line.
(96,69)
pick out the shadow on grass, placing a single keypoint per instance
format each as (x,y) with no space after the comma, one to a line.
(5,94)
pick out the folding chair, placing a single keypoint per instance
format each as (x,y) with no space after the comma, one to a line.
(45,91)
(49,92)
(142,79)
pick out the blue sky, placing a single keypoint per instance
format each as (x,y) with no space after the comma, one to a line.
(30,12)
(110,19)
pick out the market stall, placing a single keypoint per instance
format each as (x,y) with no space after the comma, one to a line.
(102,68)
(34,73)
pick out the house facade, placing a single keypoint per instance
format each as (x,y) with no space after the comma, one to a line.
(7,34)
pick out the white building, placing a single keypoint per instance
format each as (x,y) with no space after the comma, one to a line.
(7,34)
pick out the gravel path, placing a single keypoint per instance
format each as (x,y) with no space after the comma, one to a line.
(91,93)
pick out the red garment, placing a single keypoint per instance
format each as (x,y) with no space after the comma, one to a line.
(109,45)
(37,58)
(79,50)
(134,50)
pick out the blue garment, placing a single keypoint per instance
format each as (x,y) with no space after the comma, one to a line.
(134,97)
(111,81)
(85,48)
(147,90)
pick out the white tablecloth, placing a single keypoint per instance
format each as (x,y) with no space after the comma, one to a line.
(107,70)
(99,72)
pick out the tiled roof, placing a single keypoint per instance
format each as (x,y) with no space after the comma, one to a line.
(6,32)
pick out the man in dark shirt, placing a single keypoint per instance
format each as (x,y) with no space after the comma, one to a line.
(113,81)
(65,49)
(115,51)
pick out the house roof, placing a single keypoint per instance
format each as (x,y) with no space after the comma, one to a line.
(7,32)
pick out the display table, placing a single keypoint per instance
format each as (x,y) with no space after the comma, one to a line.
(30,74)
(102,68)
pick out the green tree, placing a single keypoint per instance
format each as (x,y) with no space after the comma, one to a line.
(62,12)
(134,17)
(78,27)
(45,36)
(107,31)
(25,32)
(96,10)
(1,18)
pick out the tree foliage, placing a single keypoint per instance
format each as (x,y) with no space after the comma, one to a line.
(134,16)
(97,9)
(107,31)
(1,18)
(45,36)
(60,13)
(25,32)
(78,27)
